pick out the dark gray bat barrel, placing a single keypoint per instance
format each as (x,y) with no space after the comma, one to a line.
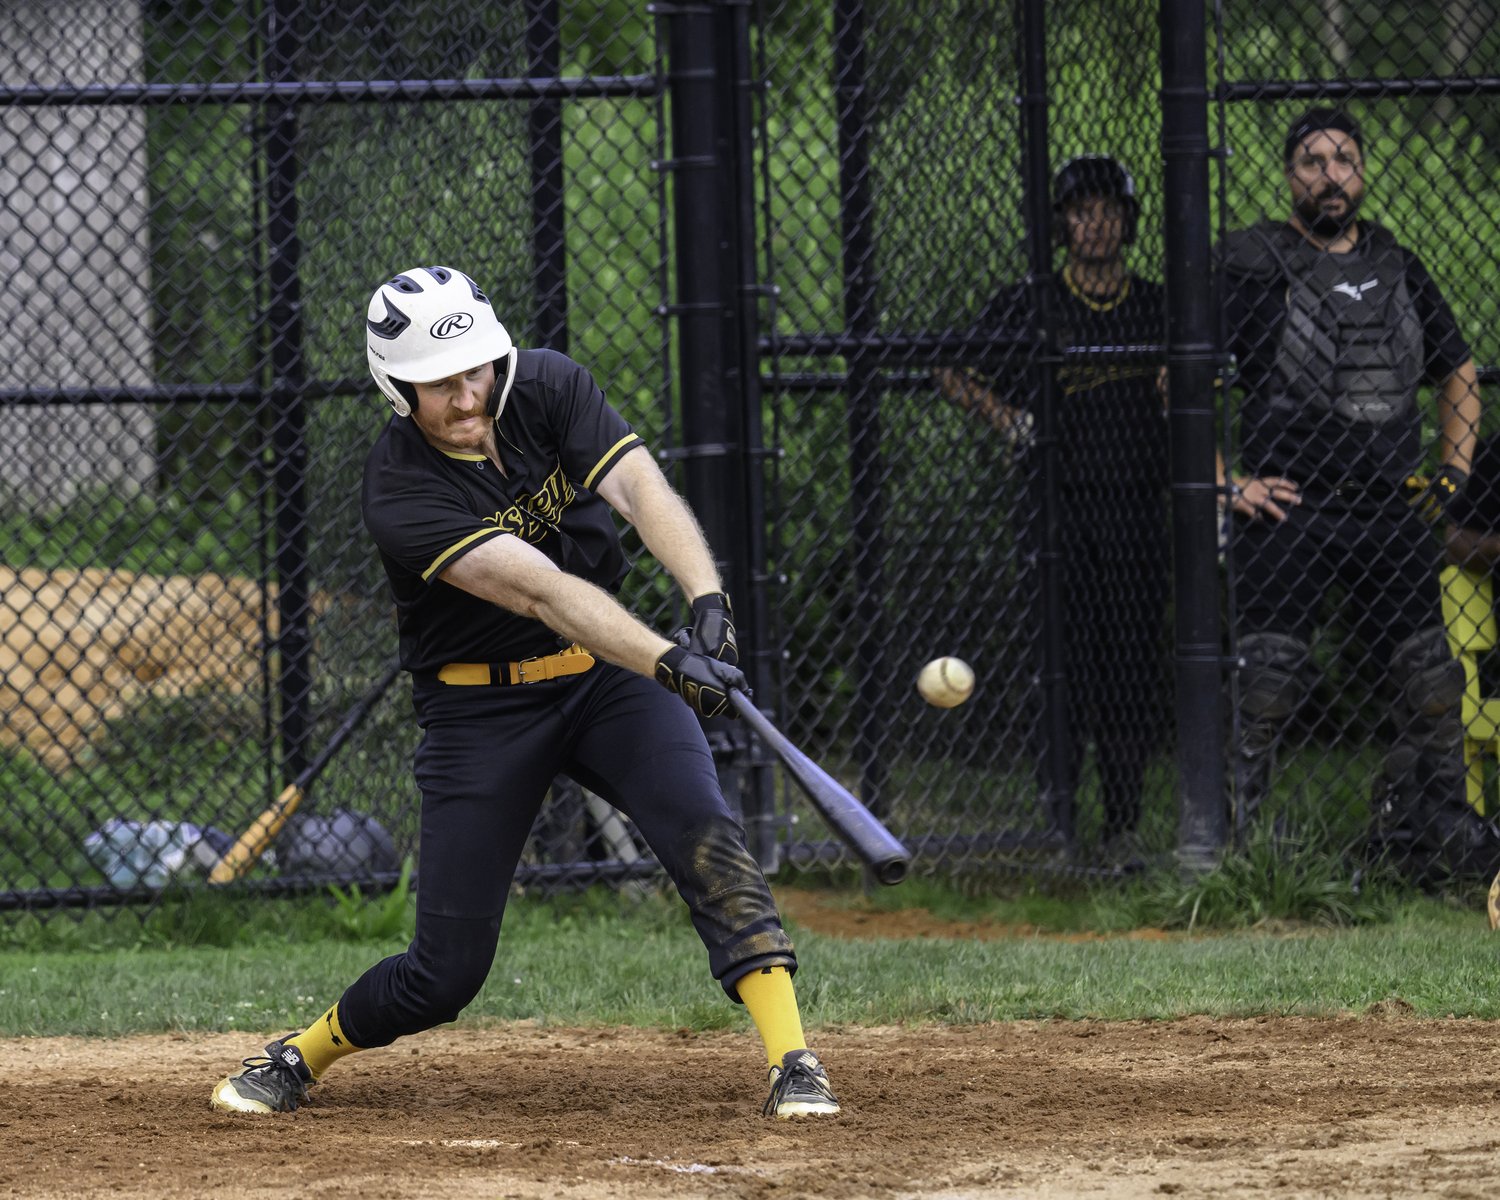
(854,824)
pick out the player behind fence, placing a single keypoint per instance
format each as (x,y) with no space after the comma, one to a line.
(488,495)
(1112,506)
(1336,327)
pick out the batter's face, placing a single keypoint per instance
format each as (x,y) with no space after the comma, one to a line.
(1327,178)
(450,412)
(1096,229)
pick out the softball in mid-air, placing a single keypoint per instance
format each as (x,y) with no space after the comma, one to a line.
(946,682)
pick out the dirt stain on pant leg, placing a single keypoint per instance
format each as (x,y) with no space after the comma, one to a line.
(731,905)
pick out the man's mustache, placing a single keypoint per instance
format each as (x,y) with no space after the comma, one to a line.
(1332,192)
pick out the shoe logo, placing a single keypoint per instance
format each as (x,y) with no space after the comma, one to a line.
(454,324)
(291,1055)
(1356,291)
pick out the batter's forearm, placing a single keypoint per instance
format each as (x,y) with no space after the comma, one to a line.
(521,579)
(671,532)
(594,619)
(1458,410)
(640,493)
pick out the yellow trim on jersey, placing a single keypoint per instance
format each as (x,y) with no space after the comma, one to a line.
(1096,305)
(464,457)
(443,558)
(598,466)
(1082,379)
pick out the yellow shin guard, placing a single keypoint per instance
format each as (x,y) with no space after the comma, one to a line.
(772,1001)
(323,1043)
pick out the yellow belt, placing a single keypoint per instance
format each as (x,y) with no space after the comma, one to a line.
(575,660)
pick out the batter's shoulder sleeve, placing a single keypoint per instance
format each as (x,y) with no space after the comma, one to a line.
(422,521)
(591,436)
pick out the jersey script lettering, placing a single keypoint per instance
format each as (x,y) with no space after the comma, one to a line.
(532,517)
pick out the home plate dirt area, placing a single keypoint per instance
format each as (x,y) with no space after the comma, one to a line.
(1378,1106)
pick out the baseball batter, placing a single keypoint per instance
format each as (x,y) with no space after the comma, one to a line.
(488,495)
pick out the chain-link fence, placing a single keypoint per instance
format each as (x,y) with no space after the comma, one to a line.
(964,381)
(196,201)
(1356,225)
(883,287)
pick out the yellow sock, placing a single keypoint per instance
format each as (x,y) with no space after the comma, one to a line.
(323,1043)
(772,1001)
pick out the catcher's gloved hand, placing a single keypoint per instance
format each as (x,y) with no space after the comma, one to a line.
(712,632)
(1432,498)
(703,683)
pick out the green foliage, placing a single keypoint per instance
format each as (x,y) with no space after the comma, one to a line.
(378,918)
(1272,878)
(159,535)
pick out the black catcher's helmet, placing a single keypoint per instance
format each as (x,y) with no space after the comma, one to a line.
(1093,175)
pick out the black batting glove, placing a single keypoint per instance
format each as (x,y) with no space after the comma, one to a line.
(712,631)
(703,683)
(1433,498)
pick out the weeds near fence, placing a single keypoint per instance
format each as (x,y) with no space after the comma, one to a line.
(1272,878)
(374,919)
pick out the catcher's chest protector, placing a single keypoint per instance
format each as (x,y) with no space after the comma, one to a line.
(1352,340)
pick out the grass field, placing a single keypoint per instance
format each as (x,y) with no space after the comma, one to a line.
(598,961)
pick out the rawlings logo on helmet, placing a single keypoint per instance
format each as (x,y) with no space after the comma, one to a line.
(452,325)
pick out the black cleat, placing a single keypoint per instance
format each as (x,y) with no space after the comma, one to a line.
(269,1084)
(799,1088)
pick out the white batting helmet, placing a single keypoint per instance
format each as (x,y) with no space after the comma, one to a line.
(427,324)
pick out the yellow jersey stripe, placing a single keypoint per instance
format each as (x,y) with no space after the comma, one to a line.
(608,455)
(447,556)
(463,457)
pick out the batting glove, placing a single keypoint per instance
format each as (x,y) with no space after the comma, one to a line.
(1432,499)
(712,631)
(703,683)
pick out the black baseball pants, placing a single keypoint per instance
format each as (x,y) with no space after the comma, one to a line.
(1116,565)
(1116,584)
(484,767)
(1383,554)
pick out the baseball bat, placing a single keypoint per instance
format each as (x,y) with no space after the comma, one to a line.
(246,852)
(855,824)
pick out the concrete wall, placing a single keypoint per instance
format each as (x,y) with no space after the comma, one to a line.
(75,286)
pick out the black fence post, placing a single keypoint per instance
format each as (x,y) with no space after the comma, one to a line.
(856,217)
(289,416)
(1191,362)
(544,132)
(753,616)
(1059,770)
(712,371)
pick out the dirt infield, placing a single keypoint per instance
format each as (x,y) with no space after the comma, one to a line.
(1290,1107)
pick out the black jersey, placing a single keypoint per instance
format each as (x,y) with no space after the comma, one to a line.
(1112,422)
(426,508)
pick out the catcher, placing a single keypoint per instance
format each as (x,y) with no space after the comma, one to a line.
(488,495)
